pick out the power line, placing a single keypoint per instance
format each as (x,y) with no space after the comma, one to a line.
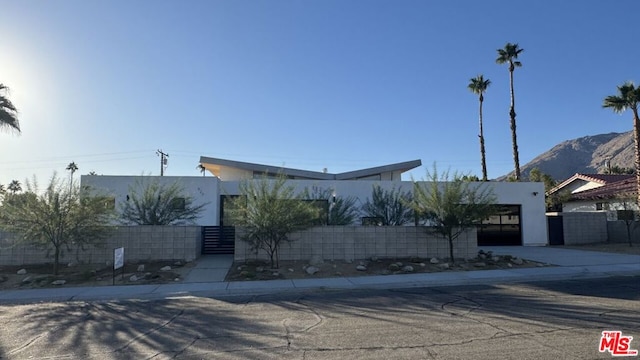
(163,161)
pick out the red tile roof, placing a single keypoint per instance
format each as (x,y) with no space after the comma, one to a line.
(622,188)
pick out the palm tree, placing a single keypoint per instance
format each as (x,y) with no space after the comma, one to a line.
(478,86)
(72,167)
(14,186)
(509,54)
(628,98)
(201,168)
(8,112)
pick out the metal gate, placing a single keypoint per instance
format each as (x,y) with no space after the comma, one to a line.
(218,240)
(556,230)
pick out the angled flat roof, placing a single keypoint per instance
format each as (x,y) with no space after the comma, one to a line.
(314,175)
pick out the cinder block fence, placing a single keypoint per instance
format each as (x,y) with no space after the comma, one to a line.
(361,242)
(140,243)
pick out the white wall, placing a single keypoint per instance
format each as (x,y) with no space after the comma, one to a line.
(534,222)
(208,190)
(202,189)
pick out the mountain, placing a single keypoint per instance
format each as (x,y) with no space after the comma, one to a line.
(588,154)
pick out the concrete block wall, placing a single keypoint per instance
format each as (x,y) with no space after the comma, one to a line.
(361,242)
(141,243)
(617,231)
(584,227)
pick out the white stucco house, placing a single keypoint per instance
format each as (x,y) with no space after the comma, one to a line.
(598,193)
(522,221)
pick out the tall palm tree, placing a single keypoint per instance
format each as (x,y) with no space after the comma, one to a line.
(8,112)
(628,97)
(14,186)
(509,54)
(72,167)
(478,86)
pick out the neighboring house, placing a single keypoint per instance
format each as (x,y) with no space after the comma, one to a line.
(522,221)
(598,192)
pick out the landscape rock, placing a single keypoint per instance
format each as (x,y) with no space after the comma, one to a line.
(399,264)
(71,264)
(394,267)
(245,273)
(517,261)
(275,273)
(311,270)
(290,270)
(434,261)
(133,278)
(27,280)
(415,260)
(361,268)
(444,266)
(407,268)
(141,268)
(177,263)
(374,258)
(482,256)
(22,272)
(480,264)
(176,279)
(423,265)
(509,265)
(260,269)
(495,259)
(59,282)
(165,268)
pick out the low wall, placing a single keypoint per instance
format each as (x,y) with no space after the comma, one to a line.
(361,242)
(140,243)
(584,227)
(617,231)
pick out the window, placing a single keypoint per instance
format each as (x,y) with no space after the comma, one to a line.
(178,203)
(602,206)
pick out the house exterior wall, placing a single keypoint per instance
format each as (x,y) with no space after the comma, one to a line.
(533,219)
(202,189)
(590,206)
(362,242)
(141,243)
(207,190)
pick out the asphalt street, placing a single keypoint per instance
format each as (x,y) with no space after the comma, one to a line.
(541,320)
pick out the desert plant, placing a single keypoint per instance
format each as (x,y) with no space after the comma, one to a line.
(60,217)
(268,211)
(451,205)
(151,203)
(391,207)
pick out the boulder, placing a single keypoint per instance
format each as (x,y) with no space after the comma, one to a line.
(27,280)
(59,282)
(407,269)
(517,261)
(165,268)
(316,260)
(290,270)
(311,270)
(434,261)
(133,278)
(22,272)
(361,268)
(444,266)
(393,267)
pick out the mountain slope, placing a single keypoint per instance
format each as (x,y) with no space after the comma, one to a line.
(587,154)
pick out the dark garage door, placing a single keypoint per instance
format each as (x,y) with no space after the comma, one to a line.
(501,229)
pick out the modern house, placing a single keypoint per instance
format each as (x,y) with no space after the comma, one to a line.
(521,222)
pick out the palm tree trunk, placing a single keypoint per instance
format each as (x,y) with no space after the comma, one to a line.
(482,151)
(636,140)
(512,114)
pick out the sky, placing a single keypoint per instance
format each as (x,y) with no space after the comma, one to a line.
(336,84)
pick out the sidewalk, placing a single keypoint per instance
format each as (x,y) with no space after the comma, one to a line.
(570,264)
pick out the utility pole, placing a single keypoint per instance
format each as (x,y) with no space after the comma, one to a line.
(163,160)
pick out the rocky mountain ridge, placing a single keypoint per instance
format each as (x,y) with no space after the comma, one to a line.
(588,154)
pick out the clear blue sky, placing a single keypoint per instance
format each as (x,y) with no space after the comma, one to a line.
(304,84)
